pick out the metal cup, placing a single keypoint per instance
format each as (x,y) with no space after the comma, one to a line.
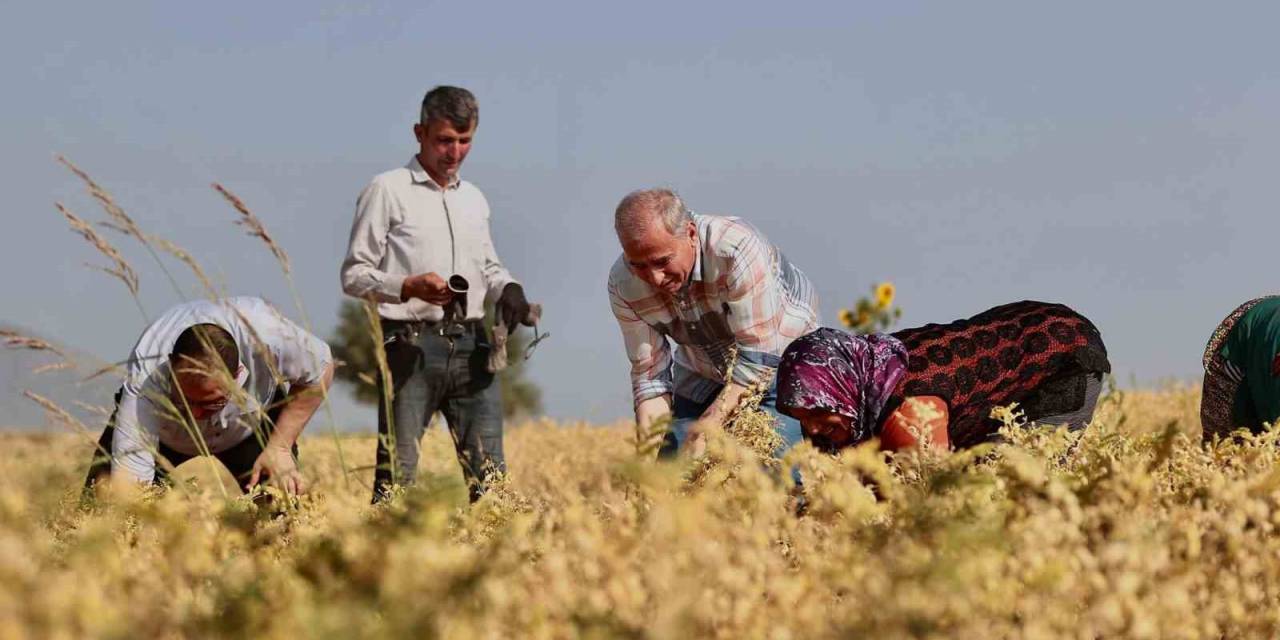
(456,311)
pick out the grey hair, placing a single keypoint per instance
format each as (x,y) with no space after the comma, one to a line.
(638,208)
(455,104)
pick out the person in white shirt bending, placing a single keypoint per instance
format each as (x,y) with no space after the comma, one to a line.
(230,378)
(418,230)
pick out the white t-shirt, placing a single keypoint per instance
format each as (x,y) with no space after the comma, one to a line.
(274,353)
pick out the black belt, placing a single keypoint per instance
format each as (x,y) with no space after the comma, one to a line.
(438,327)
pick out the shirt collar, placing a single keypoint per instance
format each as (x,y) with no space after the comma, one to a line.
(696,274)
(421,176)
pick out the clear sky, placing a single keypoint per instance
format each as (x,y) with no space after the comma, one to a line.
(1118,157)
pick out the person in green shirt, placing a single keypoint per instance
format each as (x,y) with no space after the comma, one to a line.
(1242,370)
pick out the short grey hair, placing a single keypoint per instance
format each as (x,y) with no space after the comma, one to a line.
(636,210)
(454,104)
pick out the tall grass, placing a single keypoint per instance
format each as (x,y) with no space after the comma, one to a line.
(1132,529)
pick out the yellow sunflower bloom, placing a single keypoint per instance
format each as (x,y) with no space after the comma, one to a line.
(863,318)
(884,294)
(846,317)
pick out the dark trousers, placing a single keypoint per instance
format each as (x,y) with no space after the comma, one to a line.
(238,459)
(447,373)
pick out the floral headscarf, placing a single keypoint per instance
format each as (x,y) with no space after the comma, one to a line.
(830,370)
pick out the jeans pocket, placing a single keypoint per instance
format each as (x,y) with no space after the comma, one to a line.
(401,351)
(478,375)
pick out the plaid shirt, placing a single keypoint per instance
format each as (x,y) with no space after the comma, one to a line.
(742,291)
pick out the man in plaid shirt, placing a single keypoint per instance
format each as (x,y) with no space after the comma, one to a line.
(711,284)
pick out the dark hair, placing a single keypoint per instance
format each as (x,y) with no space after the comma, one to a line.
(455,104)
(207,345)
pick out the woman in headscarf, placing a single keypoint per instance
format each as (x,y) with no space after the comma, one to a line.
(1242,370)
(943,380)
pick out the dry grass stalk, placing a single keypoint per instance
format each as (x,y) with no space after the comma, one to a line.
(384,369)
(121,268)
(97,410)
(746,422)
(255,226)
(52,366)
(57,412)
(114,367)
(121,221)
(15,340)
(754,428)
(184,257)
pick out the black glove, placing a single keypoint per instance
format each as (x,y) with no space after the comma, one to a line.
(512,307)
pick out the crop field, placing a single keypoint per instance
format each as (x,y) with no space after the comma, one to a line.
(1133,529)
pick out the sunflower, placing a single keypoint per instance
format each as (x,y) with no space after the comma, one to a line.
(846,317)
(884,294)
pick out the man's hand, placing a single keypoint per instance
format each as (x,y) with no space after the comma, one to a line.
(428,287)
(650,414)
(280,467)
(512,307)
(695,439)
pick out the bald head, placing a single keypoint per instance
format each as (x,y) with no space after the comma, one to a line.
(640,208)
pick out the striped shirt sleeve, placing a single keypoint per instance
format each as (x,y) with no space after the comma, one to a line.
(647,349)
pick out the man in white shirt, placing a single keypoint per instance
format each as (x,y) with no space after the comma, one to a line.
(417,230)
(230,378)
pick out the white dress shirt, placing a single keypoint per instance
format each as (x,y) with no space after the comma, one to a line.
(274,354)
(406,224)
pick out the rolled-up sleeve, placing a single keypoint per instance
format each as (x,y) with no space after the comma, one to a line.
(362,269)
(647,349)
(756,310)
(133,444)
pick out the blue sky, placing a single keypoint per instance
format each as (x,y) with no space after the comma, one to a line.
(1121,159)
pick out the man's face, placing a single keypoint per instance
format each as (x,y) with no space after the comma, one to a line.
(660,258)
(205,395)
(442,149)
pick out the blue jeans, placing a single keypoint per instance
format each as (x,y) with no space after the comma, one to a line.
(430,373)
(686,412)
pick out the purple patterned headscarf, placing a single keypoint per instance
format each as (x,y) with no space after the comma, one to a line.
(830,370)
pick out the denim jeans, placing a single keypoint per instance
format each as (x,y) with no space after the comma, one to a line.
(685,412)
(432,372)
